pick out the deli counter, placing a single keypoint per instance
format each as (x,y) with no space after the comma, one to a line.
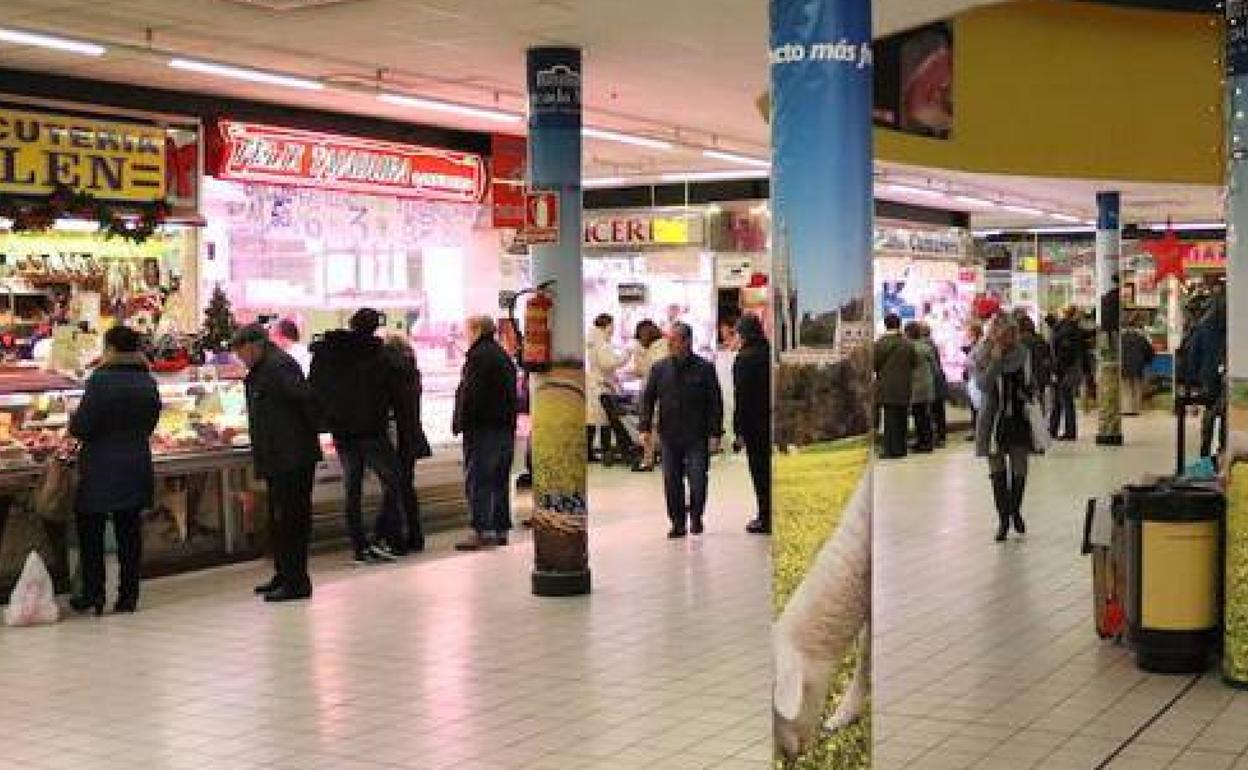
(209,508)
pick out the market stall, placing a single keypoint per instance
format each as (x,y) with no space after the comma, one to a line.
(312,226)
(928,274)
(103,233)
(703,265)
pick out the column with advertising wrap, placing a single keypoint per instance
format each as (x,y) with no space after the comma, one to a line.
(1109,312)
(1235,456)
(821,90)
(560,507)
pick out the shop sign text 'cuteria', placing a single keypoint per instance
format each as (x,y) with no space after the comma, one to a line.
(111,160)
(255,153)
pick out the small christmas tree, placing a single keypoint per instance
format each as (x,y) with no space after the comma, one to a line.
(219,324)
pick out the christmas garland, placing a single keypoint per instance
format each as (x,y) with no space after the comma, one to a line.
(136,222)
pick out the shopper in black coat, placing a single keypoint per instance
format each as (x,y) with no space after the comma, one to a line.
(114,422)
(359,389)
(283,422)
(1070,361)
(751,415)
(1137,355)
(485,413)
(412,442)
(1041,355)
(684,389)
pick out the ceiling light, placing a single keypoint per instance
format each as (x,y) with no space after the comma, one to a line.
(605,181)
(1058,230)
(733,157)
(986,233)
(971,201)
(243,73)
(905,189)
(1187,226)
(19,37)
(1064,218)
(1023,210)
(713,176)
(615,136)
(76,225)
(421,103)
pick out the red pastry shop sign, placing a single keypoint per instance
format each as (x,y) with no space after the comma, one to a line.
(254,153)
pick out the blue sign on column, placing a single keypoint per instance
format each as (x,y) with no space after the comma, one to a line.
(554,79)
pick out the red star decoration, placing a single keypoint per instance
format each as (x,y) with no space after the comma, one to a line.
(1168,255)
(986,307)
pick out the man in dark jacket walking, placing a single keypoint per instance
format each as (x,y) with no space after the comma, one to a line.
(1070,357)
(1205,368)
(114,422)
(751,414)
(894,362)
(1041,355)
(1137,355)
(685,389)
(282,418)
(359,388)
(485,413)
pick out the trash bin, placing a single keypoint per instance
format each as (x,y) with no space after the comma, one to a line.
(1174,547)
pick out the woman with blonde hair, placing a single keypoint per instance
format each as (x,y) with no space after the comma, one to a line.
(1003,433)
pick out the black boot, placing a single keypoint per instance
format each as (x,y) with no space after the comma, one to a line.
(592,455)
(1001,496)
(415,540)
(1017,486)
(604,440)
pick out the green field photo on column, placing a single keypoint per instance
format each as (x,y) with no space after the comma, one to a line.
(812,486)
(1235,641)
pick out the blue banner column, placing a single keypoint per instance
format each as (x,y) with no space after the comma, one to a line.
(560,501)
(1235,590)
(1109,318)
(821,91)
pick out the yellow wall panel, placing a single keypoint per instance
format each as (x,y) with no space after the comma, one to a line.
(1070,89)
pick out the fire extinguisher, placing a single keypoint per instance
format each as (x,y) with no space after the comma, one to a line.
(537,343)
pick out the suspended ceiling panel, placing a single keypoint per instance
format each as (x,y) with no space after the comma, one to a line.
(691,68)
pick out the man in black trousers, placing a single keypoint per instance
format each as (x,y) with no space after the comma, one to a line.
(281,413)
(894,362)
(751,416)
(485,413)
(360,387)
(685,389)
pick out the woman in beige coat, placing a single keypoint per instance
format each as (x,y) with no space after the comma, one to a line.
(602,363)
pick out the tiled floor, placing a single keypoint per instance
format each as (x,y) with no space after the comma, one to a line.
(985,655)
(443,661)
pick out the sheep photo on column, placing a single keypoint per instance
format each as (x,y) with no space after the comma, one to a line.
(821,187)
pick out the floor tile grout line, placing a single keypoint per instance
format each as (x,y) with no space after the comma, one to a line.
(1150,722)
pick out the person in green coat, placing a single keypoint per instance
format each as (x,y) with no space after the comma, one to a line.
(894,361)
(922,388)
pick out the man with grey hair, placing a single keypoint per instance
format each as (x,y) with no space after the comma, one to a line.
(485,413)
(685,389)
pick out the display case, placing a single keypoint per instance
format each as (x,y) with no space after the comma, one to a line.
(209,507)
(202,464)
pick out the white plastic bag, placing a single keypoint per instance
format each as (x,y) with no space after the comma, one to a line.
(33,601)
(975,395)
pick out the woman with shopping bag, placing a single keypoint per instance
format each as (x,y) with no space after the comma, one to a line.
(114,422)
(1010,425)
